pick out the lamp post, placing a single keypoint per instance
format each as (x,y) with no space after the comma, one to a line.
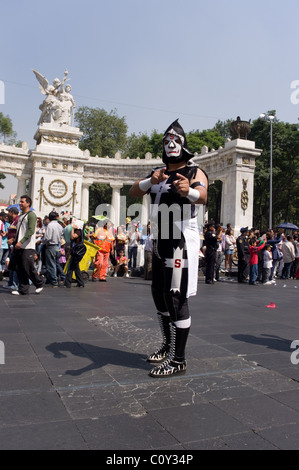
(270,118)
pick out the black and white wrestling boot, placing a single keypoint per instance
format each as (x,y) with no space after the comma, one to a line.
(162,352)
(175,363)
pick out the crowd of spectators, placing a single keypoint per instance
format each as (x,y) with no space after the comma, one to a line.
(118,252)
(258,257)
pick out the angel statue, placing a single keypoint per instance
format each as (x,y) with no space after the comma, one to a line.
(58,102)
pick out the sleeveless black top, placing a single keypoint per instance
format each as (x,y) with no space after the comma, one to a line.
(166,193)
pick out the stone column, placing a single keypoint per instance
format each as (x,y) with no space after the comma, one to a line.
(21,189)
(85,201)
(145,209)
(116,187)
(238,183)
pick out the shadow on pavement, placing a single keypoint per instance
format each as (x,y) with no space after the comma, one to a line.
(98,355)
(270,341)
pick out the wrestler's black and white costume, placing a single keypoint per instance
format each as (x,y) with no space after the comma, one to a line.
(175,261)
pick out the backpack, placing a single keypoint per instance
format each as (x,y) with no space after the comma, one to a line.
(78,251)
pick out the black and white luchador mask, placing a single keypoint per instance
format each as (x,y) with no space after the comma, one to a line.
(175,145)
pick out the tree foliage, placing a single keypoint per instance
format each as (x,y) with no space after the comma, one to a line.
(209,138)
(285,172)
(139,145)
(99,193)
(2,177)
(6,127)
(106,133)
(6,130)
(103,133)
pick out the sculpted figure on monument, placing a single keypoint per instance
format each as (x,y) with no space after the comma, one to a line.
(58,104)
(66,106)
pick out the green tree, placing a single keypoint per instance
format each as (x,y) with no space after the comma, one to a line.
(2,177)
(223,128)
(156,143)
(103,133)
(285,172)
(139,145)
(6,130)
(6,127)
(213,139)
(99,193)
(210,137)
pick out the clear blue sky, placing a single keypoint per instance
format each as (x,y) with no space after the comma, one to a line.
(152,61)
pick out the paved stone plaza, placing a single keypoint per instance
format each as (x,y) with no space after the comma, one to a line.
(75,375)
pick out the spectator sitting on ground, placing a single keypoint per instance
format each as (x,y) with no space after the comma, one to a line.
(37,263)
(122,264)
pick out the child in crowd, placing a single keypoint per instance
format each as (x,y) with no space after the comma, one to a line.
(62,257)
(37,263)
(122,264)
(267,265)
(253,260)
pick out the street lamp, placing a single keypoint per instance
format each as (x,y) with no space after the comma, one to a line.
(270,118)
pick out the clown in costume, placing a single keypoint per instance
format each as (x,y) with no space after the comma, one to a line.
(175,189)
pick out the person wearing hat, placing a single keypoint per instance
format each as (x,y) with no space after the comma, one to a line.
(178,186)
(242,243)
(52,239)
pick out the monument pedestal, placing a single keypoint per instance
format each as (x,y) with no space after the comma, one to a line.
(58,139)
(57,169)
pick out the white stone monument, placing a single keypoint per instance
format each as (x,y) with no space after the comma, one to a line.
(57,161)
(57,174)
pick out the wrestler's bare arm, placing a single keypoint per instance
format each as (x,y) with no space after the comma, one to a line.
(157,177)
(192,189)
(203,190)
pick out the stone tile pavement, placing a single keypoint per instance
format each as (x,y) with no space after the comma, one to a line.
(75,375)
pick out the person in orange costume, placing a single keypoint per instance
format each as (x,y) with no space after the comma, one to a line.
(105,240)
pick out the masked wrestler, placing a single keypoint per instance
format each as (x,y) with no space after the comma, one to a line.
(175,189)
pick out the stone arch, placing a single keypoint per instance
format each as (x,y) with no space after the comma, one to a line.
(61,173)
